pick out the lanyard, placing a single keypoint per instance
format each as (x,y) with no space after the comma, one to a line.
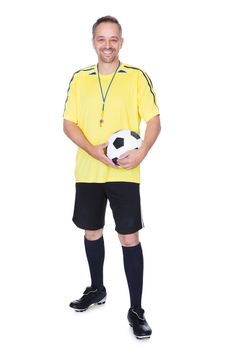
(104,97)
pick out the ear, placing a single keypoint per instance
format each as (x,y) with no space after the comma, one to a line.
(122,41)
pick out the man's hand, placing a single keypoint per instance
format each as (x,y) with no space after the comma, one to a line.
(98,153)
(76,135)
(131,159)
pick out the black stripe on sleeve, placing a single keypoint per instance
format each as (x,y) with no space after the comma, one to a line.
(67,94)
(147,79)
(80,70)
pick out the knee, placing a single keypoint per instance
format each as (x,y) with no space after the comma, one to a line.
(129,240)
(92,235)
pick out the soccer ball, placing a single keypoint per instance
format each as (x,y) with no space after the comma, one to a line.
(120,142)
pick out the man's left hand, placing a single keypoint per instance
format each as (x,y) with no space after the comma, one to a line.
(131,159)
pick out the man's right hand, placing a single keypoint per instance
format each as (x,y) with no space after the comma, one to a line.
(98,153)
(76,135)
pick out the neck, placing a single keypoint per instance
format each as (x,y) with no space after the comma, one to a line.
(108,68)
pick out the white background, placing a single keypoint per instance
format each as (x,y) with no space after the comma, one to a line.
(186,48)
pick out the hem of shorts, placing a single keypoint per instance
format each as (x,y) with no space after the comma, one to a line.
(84,227)
(128,232)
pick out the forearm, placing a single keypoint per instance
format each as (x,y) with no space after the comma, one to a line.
(152,131)
(74,133)
(131,159)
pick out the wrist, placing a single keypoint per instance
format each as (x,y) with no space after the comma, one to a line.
(90,149)
(144,150)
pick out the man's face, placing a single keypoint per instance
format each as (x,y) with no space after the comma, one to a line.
(107,42)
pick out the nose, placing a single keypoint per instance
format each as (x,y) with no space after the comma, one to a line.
(107,44)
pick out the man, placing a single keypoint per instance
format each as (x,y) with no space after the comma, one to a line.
(101,100)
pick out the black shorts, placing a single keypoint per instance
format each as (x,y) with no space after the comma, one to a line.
(124,199)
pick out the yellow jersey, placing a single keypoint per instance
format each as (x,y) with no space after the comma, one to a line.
(129,100)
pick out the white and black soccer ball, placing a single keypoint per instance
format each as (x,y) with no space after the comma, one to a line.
(120,142)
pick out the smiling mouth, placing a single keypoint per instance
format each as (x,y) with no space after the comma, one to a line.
(107,52)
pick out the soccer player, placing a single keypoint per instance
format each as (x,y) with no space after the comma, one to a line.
(102,99)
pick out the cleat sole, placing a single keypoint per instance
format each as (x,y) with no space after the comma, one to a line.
(101,302)
(143,337)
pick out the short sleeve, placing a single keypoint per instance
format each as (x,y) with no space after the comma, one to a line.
(147,104)
(70,111)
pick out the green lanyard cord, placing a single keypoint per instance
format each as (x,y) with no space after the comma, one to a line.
(104,97)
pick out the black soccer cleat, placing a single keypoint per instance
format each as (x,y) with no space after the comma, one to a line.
(91,296)
(137,321)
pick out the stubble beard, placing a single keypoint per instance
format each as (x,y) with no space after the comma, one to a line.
(110,59)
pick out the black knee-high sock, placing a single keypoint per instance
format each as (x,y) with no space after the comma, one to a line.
(95,257)
(133,264)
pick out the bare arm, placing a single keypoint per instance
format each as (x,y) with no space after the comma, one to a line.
(132,159)
(75,134)
(153,129)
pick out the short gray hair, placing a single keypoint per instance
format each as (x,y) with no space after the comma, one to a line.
(106,19)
